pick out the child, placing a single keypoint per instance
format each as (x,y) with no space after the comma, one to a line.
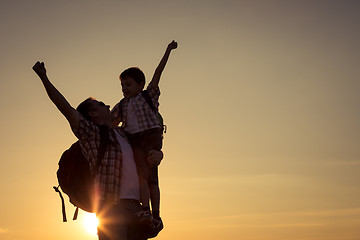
(144,130)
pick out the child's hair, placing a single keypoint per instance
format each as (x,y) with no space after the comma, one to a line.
(135,73)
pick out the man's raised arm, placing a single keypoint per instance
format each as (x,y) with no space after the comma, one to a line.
(56,97)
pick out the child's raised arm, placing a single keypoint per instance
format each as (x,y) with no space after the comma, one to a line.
(156,78)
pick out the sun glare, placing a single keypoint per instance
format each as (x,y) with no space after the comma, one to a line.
(90,223)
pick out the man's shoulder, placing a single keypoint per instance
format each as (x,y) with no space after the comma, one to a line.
(86,129)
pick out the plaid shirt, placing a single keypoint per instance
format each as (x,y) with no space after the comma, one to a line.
(108,179)
(147,118)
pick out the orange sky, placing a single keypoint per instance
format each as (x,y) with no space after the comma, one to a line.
(260,99)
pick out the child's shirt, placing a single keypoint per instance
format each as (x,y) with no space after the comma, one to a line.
(136,114)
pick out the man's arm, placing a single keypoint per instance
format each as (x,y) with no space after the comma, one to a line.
(115,112)
(156,78)
(154,157)
(56,97)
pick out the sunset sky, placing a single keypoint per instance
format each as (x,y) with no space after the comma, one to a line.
(261,100)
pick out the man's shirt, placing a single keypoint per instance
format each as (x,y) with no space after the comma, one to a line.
(111,172)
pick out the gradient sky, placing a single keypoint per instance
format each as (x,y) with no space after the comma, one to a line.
(261,100)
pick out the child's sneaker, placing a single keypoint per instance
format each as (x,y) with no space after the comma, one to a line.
(157,226)
(144,217)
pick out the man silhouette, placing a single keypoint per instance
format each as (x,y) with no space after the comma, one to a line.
(117,182)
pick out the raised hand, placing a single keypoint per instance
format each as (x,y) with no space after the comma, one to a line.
(39,68)
(157,74)
(172,45)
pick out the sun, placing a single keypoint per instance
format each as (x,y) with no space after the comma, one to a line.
(90,223)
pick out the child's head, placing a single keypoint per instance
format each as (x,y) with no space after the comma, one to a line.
(132,81)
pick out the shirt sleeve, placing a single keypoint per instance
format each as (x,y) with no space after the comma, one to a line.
(89,137)
(154,94)
(86,131)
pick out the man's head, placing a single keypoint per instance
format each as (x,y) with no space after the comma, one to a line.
(95,111)
(132,81)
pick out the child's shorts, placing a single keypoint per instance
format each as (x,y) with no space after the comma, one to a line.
(142,143)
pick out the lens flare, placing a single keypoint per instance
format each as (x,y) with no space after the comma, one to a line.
(91,223)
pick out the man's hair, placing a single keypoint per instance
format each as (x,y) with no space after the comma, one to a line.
(135,73)
(85,107)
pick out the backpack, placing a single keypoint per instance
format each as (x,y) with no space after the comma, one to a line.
(76,178)
(147,97)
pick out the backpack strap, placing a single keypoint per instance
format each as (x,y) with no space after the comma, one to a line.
(147,97)
(104,141)
(62,203)
(76,213)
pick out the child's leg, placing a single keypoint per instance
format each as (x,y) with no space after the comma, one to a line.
(144,193)
(149,140)
(155,200)
(143,171)
(144,216)
(157,223)
(154,192)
